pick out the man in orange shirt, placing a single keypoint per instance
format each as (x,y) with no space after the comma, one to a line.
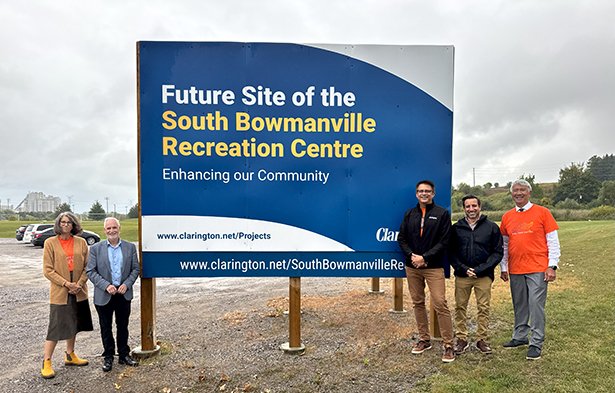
(531,256)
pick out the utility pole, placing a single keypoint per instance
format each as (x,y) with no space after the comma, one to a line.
(107,209)
(473,177)
(70,203)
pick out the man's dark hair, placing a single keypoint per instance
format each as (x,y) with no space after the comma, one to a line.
(428,182)
(470,196)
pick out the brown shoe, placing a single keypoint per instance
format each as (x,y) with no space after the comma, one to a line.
(484,347)
(448,355)
(421,346)
(461,346)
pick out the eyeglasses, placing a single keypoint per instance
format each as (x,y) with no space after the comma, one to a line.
(424,191)
(66,223)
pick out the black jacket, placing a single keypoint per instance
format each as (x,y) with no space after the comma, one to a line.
(479,249)
(434,242)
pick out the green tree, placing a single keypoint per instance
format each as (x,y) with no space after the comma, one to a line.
(466,189)
(498,201)
(134,211)
(568,203)
(65,207)
(537,191)
(96,212)
(602,168)
(462,190)
(456,201)
(606,196)
(576,183)
(546,201)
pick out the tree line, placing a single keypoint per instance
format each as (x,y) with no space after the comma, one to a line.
(580,186)
(588,185)
(98,213)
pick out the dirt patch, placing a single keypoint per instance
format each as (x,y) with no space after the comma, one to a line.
(221,335)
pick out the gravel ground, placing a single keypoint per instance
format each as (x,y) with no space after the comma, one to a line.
(219,335)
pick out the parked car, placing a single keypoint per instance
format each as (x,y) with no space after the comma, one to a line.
(38,238)
(20,231)
(27,236)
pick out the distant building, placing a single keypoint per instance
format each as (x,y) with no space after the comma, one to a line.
(38,202)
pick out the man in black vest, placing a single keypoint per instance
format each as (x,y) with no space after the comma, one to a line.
(423,238)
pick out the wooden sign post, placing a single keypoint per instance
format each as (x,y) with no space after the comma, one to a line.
(294,345)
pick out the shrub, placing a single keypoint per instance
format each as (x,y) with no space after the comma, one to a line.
(499,201)
(602,213)
(570,214)
(568,204)
(598,213)
(494,215)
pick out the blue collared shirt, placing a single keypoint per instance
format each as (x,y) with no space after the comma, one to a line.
(115,260)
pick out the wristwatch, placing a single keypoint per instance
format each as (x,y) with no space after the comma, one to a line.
(553,267)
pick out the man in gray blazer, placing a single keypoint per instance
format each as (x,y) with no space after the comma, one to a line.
(113,267)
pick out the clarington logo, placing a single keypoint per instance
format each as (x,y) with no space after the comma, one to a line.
(386,235)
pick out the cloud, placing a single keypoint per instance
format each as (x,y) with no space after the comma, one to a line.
(533,80)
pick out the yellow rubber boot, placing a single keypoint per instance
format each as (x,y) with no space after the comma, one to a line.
(71,359)
(47,372)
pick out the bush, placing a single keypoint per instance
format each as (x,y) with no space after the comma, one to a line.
(495,215)
(602,213)
(570,214)
(546,202)
(598,213)
(499,201)
(568,204)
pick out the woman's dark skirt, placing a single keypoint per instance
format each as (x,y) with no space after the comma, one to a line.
(66,320)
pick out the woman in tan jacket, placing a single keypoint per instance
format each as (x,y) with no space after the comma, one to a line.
(64,262)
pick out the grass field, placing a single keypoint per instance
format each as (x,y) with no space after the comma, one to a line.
(129,228)
(579,350)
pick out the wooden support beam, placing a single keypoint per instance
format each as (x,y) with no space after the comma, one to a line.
(294,345)
(376,286)
(398,296)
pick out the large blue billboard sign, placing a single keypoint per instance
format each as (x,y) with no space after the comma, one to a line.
(260,159)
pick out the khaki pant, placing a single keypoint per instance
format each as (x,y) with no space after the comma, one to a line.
(434,278)
(482,293)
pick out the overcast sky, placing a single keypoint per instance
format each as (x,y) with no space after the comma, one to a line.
(534,80)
